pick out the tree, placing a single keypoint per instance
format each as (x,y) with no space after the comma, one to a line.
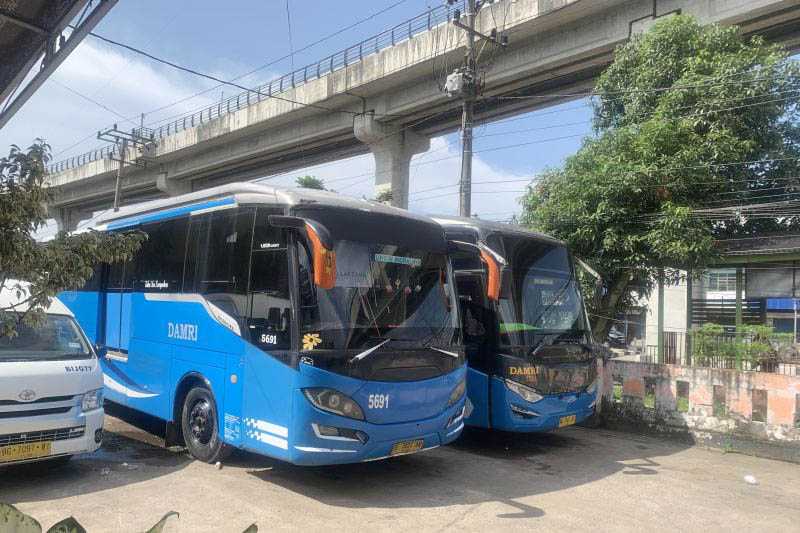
(384,197)
(65,262)
(676,116)
(310,182)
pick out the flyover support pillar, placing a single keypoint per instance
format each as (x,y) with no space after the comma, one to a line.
(67,219)
(393,147)
(172,187)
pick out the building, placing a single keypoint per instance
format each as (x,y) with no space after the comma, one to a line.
(757,282)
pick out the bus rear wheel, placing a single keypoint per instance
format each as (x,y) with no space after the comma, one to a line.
(200,426)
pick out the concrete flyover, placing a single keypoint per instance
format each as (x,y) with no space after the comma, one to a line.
(388,101)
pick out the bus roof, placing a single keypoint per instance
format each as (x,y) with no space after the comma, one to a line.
(242,193)
(483,228)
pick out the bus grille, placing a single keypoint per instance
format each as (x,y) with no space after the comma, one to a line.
(46,435)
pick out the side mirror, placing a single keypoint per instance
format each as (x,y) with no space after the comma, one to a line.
(323,255)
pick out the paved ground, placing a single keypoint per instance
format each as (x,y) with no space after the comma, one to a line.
(577,479)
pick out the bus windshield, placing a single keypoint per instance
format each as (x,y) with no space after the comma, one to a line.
(383,292)
(540,297)
(56,338)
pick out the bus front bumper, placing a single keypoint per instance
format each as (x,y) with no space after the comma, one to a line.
(513,413)
(311,445)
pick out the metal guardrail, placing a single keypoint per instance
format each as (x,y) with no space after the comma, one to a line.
(354,54)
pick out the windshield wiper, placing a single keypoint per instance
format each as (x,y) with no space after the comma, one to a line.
(451,354)
(368,351)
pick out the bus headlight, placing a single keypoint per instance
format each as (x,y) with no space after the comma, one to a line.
(334,402)
(458,392)
(92,400)
(527,393)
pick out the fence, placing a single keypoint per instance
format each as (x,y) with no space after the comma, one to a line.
(354,54)
(755,349)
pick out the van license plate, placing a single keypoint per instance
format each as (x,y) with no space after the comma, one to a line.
(409,446)
(566,421)
(21,452)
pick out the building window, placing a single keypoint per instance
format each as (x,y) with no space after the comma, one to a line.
(722,281)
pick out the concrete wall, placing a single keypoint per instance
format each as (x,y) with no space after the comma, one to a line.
(739,411)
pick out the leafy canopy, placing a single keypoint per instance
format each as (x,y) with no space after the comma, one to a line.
(65,262)
(676,115)
(310,182)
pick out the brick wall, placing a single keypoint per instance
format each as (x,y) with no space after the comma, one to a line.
(712,405)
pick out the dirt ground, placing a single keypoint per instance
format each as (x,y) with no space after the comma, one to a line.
(576,479)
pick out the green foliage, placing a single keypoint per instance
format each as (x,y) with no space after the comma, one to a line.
(310,182)
(676,101)
(384,197)
(12,520)
(66,261)
(757,345)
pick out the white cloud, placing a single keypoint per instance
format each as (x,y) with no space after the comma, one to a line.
(125,84)
(439,168)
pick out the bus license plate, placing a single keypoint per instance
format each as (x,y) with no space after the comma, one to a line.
(566,421)
(409,446)
(21,452)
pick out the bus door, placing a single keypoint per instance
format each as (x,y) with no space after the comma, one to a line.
(267,400)
(117,334)
(478,346)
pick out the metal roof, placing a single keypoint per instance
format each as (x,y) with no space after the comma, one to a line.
(31,33)
(245,193)
(484,227)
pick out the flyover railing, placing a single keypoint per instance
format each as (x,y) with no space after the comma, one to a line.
(401,32)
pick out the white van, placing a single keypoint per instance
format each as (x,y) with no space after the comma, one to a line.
(51,397)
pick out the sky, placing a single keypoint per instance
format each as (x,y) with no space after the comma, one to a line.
(100,84)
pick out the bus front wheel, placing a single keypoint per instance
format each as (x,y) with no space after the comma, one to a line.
(200,425)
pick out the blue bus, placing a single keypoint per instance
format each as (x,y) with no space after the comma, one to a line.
(532,365)
(292,323)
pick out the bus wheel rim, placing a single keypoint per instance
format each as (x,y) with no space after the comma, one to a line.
(200,422)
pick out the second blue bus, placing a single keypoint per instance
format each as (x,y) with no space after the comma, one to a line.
(533,366)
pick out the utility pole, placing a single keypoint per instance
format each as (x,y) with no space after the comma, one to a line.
(142,138)
(467,114)
(464,82)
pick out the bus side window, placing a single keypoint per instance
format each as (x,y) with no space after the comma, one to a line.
(217,259)
(270,314)
(119,276)
(158,266)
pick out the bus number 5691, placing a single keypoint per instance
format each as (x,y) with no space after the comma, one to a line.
(378,401)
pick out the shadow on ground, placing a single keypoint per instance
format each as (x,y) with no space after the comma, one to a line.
(128,455)
(482,466)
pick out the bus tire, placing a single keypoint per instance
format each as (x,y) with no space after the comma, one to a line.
(200,425)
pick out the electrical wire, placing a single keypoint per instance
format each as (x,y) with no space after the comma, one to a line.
(92,100)
(214,78)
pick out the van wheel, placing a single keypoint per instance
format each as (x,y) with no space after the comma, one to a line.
(200,425)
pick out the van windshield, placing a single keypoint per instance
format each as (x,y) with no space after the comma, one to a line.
(57,338)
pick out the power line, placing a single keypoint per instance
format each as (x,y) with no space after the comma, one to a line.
(289,31)
(92,100)
(214,78)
